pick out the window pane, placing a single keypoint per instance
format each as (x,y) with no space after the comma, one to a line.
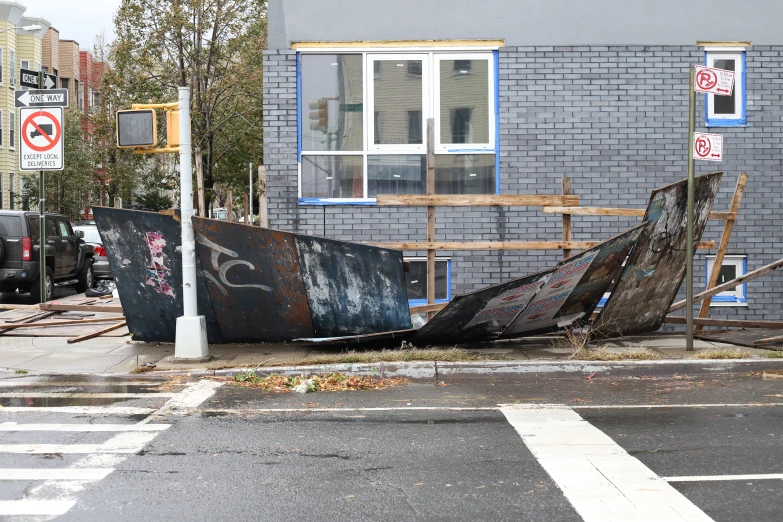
(727,273)
(403,174)
(464,101)
(726,104)
(397,89)
(465,174)
(416,280)
(332,96)
(332,176)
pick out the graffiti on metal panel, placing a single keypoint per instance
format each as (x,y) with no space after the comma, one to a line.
(221,281)
(157,272)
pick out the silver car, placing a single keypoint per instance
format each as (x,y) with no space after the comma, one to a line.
(101,268)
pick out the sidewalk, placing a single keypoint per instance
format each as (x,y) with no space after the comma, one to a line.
(120,355)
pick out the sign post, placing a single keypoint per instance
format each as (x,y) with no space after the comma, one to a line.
(701,146)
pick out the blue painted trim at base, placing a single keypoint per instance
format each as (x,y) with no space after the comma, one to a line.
(729,298)
(496,56)
(298,107)
(328,202)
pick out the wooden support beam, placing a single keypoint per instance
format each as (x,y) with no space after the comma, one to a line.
(5,306)
(62,307)
(420,309)
(60,323)
(430,214)
(728,285)
(769,340)
(738,323)
(445,200)
(724,244)
(620,212)
(96,334)
(501,245)
(566,219)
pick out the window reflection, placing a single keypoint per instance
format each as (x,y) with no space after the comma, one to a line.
(332,177)
(396,174)
(464,101)
(465,174)
(398,93)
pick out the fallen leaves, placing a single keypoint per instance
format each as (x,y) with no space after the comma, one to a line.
(316,383)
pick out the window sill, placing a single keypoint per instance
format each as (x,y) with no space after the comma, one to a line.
(336,201)
(728,123)
(723,304)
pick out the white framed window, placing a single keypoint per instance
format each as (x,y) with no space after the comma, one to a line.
(38,66)
(11,192)
(24,64)
(727,111)
(2,190)
(11,129)
(2,64)
(12,67)
(416,280)
(732,267)
(363,118)
(2,126)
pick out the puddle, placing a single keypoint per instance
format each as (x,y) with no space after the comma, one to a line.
(208,414)
(38,402)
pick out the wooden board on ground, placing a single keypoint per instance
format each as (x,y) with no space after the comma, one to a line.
(742,337)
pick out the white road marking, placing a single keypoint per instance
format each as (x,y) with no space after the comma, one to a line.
(13,383)
(89,410)
(67,395)
(55,474)
(131,442)
(188,399)
(8,426)
(35,507)
(326,410)
(712,478)
(600,479)
(637,406)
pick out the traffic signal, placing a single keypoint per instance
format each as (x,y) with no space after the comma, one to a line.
(319,115)
(172,129)
(138,128)
(324,114)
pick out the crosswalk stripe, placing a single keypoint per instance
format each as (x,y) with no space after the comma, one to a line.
(35,507)
(600,479)
(713,478)
(55,474)
(88,410)
(14,383)
(132,442)
(83,427)
(48,395)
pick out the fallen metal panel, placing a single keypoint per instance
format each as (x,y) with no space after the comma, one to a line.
(141,247)
(353,289)
(576,287)
(385,338)
(254,281)
(655,272)
(481,315)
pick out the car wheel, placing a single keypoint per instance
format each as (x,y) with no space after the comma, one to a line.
(86,278)
(35,290)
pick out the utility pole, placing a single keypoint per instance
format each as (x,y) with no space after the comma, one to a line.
(250,191)
(41,218)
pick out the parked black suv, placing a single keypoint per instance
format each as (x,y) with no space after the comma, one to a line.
(67,256)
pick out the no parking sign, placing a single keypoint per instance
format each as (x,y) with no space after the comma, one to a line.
(41,140)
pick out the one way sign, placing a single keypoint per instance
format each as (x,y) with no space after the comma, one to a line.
(42,98)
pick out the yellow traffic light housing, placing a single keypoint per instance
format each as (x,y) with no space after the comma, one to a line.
(319,113)
(137,129)
(172,129)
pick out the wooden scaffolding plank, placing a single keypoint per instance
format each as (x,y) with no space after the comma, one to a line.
(96,334)
(566,219)
(419,309)
(728,285)
(619,212)
(430,214)
(724,244)
(501,245)
(60,323)
(500,200)
(63,307)
(738,323)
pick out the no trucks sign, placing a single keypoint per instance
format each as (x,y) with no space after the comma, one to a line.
(41,140)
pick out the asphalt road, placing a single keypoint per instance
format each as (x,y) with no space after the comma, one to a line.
(377,455)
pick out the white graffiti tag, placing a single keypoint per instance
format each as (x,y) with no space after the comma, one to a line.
(222,269)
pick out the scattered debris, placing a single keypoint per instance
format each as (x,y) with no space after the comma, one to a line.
(315,383)
(605,354)
(144,368)
(721,353)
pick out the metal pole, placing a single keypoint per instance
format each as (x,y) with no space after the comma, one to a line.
(250,191)
(42,236)
(689,229)
(191,341)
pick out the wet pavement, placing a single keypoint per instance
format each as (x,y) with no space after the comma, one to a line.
(711,443)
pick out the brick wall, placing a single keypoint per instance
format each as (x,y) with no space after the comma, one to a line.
(613,119)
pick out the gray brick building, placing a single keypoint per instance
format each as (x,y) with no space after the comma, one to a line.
(523,93)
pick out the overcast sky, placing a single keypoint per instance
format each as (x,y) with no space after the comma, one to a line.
(78,20)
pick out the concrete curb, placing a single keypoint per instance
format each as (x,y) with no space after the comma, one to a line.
(425,371)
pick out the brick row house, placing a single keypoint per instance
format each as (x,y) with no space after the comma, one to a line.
(522,94)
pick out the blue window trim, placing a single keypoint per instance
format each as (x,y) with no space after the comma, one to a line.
(723,122)
(728,298)
(417,302)
(371,201)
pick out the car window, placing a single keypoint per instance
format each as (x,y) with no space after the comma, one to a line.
(51,228)
(64,228)
(91,234)
(34,228)
(10,226)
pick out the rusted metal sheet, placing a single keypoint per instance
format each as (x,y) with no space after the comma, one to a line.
(353,289)
(141,247)
(654,273)
(253,280)
(481,315)
(576,286)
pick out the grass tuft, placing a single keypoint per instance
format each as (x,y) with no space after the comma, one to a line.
(604,354)
(142,369)
(721,353)
(21,372)
(316,383)
(407,355)
(778,354)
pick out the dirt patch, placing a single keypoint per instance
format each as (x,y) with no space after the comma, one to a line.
(604,354)
(314,383)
